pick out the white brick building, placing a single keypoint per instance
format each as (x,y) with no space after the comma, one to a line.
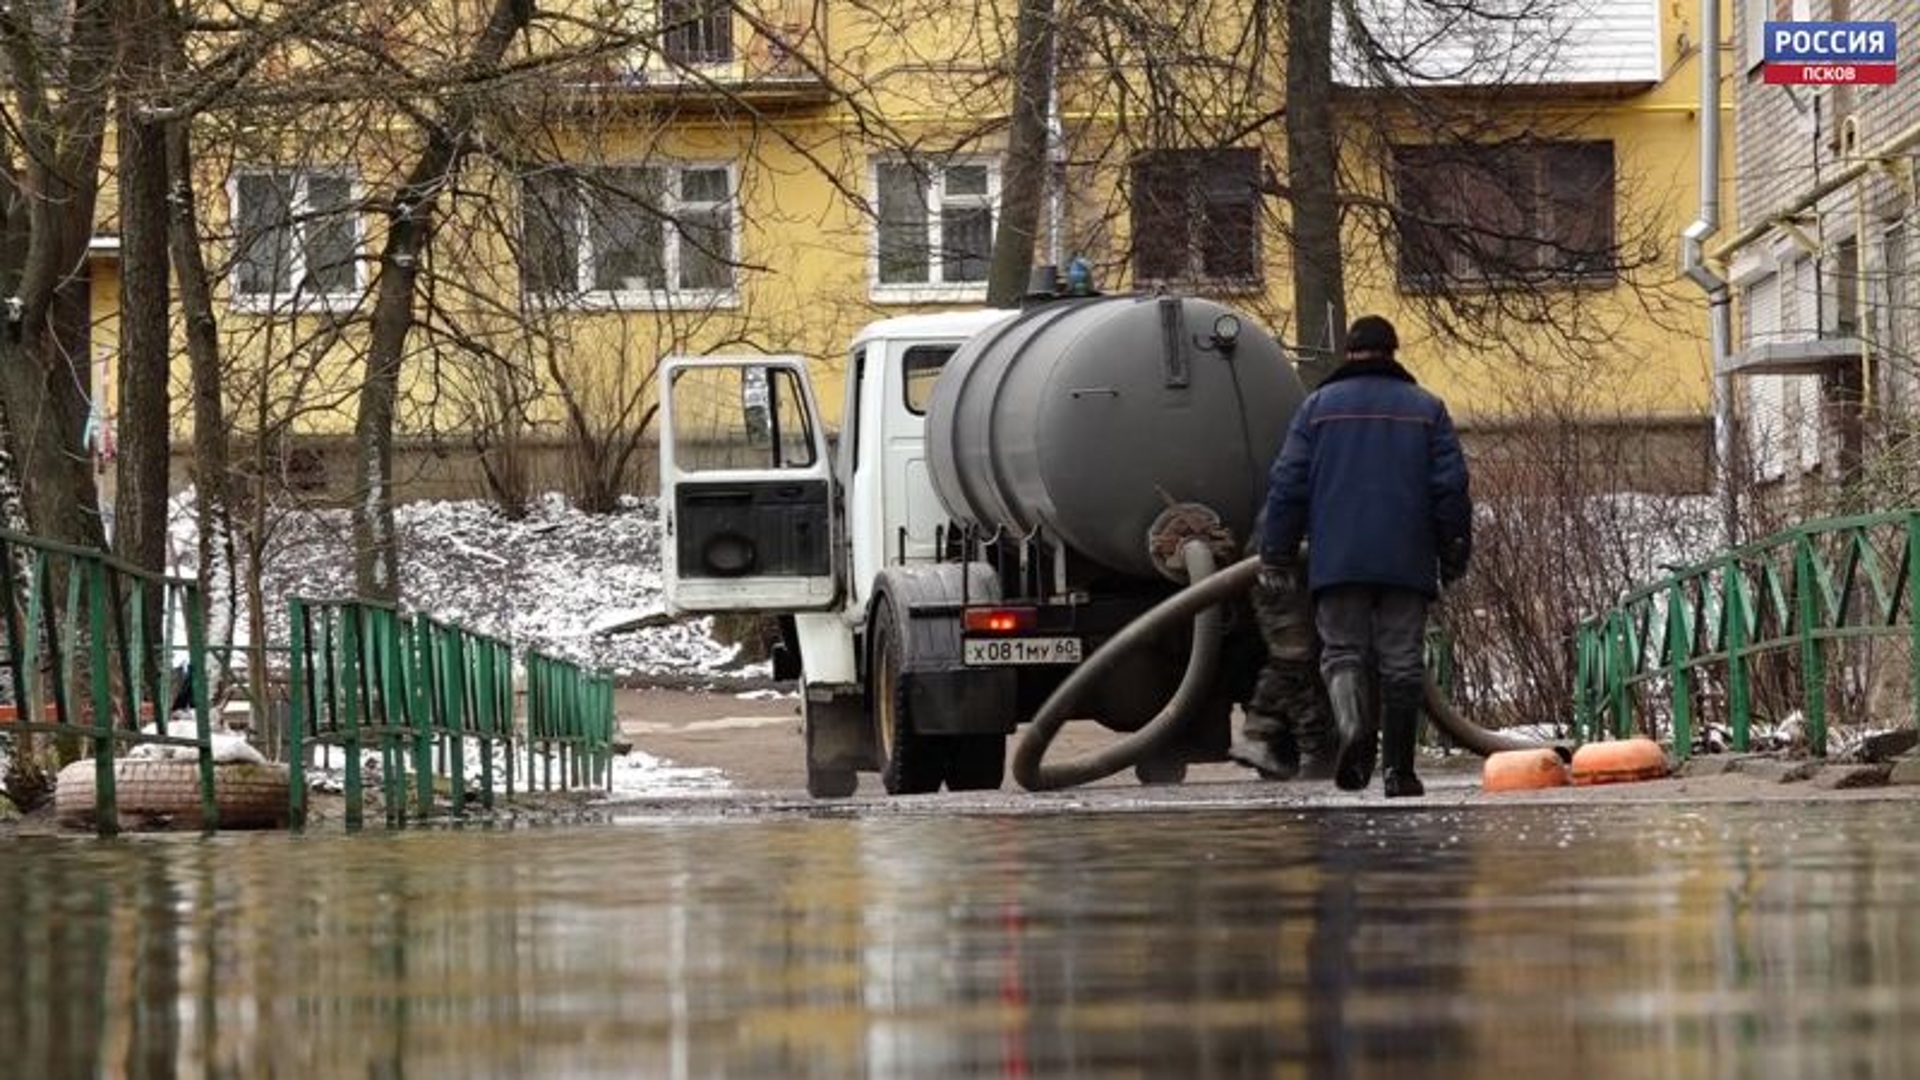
(1820,250)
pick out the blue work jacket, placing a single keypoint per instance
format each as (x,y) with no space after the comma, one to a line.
(1372,476)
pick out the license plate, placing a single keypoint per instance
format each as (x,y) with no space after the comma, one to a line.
(1021,650)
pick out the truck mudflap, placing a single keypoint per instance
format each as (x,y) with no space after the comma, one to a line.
(962,701)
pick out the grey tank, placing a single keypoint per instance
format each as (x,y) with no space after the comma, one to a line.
(1086,417)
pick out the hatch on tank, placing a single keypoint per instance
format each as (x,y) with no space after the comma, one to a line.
(746,487)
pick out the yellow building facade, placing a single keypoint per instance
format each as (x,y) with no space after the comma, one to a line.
(679,177)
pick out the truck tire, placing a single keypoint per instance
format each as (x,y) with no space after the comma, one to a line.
(976,762)
(909,763)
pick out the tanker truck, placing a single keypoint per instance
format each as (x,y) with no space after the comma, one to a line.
(1008,491)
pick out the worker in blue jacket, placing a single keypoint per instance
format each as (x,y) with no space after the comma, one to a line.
(1372,476)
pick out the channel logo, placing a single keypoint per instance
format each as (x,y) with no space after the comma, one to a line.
(1829,53)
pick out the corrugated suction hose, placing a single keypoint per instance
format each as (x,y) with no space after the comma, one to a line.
(1201,601)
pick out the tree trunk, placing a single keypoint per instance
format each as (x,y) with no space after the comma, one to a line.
(375,552)
(1024,177)
(45,366)
(212,456)
(1319,290)
(140,489)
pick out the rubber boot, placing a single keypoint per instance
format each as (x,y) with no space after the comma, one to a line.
(1359,739)
(1399,731)
(1267,747)
(1315,737)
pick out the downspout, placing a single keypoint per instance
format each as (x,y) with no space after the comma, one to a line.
(1693,263)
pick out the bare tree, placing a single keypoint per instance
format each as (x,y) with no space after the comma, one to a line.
(59,62)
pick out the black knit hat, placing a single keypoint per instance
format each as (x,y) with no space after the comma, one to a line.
(1372,334)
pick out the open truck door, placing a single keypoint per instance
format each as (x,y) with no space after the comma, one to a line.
(746,487)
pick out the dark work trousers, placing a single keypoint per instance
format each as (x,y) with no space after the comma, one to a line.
(1288,699)
(1378,625)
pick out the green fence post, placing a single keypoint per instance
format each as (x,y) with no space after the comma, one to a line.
(1813,666)
(1913,614)
(1679,678)
(346,678)
(1619,639)
(298,659)
(106,808)
(1739,694)
(417,664)
(197,671)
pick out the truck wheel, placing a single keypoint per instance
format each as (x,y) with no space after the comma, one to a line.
(976,762)
(1161,771)
(908,764)
(824,783)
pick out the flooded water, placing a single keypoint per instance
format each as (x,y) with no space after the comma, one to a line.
(1708,941)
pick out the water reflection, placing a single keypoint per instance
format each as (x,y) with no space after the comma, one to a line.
(1722,941)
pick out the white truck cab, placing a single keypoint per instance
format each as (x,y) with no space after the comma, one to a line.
(757,516)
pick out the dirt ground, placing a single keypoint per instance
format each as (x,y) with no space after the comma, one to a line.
(755,743)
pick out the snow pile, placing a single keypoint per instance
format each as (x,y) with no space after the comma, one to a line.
(583,587)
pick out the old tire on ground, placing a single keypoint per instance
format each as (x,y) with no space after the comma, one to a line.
(164,793)
(976,762)
(908,765)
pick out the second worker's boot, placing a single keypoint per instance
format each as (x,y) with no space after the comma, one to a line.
(1267,747)
(1359,739)
(1399,734)
(1315,736)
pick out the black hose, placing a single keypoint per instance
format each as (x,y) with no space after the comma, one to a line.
(1202,600)
(1203,597)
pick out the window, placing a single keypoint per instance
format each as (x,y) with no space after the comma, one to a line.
(696,31)
(922,364)
(935,234)
(1524,213)
(297,234)
(740,418)
(628,234)
(1196,216)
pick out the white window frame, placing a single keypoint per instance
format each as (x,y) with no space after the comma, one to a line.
(936,289)
(298,299)
(672,208)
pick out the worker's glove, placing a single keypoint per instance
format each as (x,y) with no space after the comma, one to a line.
(1453,562)
(1280,578)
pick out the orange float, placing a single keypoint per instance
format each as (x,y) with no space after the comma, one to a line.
(1619,761)
(1523,770)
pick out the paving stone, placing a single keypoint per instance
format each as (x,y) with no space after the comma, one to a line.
(1707,765)
(1778,770)
(1837,777)
(1906,770)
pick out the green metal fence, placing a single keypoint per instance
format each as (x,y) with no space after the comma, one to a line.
(91,645)
(569,723)
(1796,595)
(436,702)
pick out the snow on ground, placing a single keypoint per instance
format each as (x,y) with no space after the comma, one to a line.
(584,587)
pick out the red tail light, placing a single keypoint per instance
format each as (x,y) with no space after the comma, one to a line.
(999,620)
